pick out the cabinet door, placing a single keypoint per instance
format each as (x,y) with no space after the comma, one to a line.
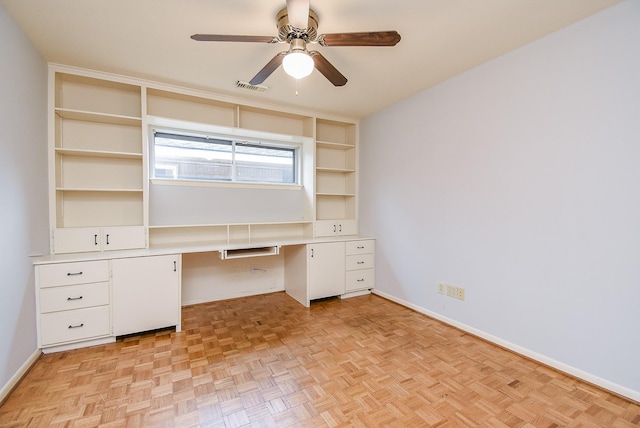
(335,227)
(347,227)
(123,238)
(146,293)
(76,240)
(86,239)
(326,269)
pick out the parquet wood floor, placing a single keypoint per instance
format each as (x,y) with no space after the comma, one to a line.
(266,361)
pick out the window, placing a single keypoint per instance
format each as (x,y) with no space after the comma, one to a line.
(214,158)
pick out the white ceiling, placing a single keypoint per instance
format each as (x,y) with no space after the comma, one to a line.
(150,39)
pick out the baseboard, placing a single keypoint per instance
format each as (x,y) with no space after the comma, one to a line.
(15,379)
(76,345)
(572,371)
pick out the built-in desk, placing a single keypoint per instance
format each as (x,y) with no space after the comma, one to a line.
(90,298)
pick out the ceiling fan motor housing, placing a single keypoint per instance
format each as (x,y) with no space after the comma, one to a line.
(287,32)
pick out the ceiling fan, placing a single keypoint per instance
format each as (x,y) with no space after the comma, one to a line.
(298,25)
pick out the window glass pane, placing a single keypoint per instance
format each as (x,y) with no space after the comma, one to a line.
(192,158)
(262,164)
(208,158)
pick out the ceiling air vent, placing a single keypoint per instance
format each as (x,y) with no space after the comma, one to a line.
(246,85)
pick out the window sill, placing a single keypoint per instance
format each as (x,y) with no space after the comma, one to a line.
(229,184)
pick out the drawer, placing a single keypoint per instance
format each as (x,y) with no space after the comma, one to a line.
(71,326)
(74,297)
(360,279)
(360,247)
(55,275)
(360,261)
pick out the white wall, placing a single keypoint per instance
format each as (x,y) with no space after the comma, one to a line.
(520,181)
(206,278)
(23,174)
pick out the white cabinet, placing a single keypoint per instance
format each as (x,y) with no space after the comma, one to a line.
(146,293)
(73,302)
(87,239)
(89,302)
(326,269)
(360,265)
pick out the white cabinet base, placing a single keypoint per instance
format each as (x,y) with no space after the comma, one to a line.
(326,269)
(146,293)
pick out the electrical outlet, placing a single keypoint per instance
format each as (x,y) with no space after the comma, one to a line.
(451,291)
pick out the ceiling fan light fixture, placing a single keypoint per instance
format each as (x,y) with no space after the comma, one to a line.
(298,64)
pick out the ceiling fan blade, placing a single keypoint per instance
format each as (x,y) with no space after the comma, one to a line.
(268,69)
(232,38)
(372,38)
(327,69)
(298,11)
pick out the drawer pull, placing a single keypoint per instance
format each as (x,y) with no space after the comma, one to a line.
(77,326)
(74,273)
(360,263)
(74,298)
(95,239)
(107,239)
(360,280)
(360,248)
(175,266)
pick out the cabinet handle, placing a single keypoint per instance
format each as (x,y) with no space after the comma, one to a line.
(360,248)
(175,266)
(312,252)
(360,263)
(95,239)
(77,326)
(339,228)
(74,273)
(334,228)
(74,298)
(360,280)
(107,239)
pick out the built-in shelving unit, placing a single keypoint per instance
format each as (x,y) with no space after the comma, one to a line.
(97,162)
(101,189)
(336,178)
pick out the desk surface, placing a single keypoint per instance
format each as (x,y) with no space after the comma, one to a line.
(193,247)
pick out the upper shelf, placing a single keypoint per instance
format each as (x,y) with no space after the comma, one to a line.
(335,146)
(90,116)
(98,153)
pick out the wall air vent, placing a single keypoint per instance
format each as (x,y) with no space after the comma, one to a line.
(246,85)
